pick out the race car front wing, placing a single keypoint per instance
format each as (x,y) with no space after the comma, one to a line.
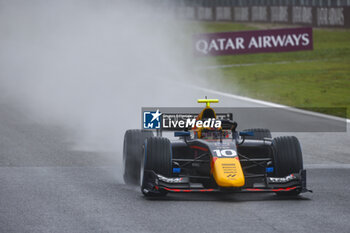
(155,183)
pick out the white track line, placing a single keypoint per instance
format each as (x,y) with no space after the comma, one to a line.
(272,104)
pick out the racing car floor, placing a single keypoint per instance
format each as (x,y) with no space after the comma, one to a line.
(48,186)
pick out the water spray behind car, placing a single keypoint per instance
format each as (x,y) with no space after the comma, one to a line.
(90,66)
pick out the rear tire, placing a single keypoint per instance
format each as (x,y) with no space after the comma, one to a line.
(288,159)
(158,158)
(132,154)
(259,134)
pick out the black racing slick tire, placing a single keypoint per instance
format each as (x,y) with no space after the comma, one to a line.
(259,134)
(158,158)
(288,159)
(132,154)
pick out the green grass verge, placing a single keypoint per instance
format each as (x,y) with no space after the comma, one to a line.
(308,79)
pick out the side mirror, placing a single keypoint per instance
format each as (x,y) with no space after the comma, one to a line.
(228,124)
(246,133)
(182,134)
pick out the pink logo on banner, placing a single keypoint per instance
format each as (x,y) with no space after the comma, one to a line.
(263,41)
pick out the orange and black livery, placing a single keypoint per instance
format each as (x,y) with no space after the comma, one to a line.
(214,159)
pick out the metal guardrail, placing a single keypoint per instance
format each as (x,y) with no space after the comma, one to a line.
(300,15)
(237,3)
(316,13)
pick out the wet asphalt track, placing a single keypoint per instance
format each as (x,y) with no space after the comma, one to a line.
(48,186)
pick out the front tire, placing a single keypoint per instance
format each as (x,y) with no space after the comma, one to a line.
(158,158)
(132,154)
(288,159)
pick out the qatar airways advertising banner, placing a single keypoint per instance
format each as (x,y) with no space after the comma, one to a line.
(262,41)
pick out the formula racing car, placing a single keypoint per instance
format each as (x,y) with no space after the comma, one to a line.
(207,159)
